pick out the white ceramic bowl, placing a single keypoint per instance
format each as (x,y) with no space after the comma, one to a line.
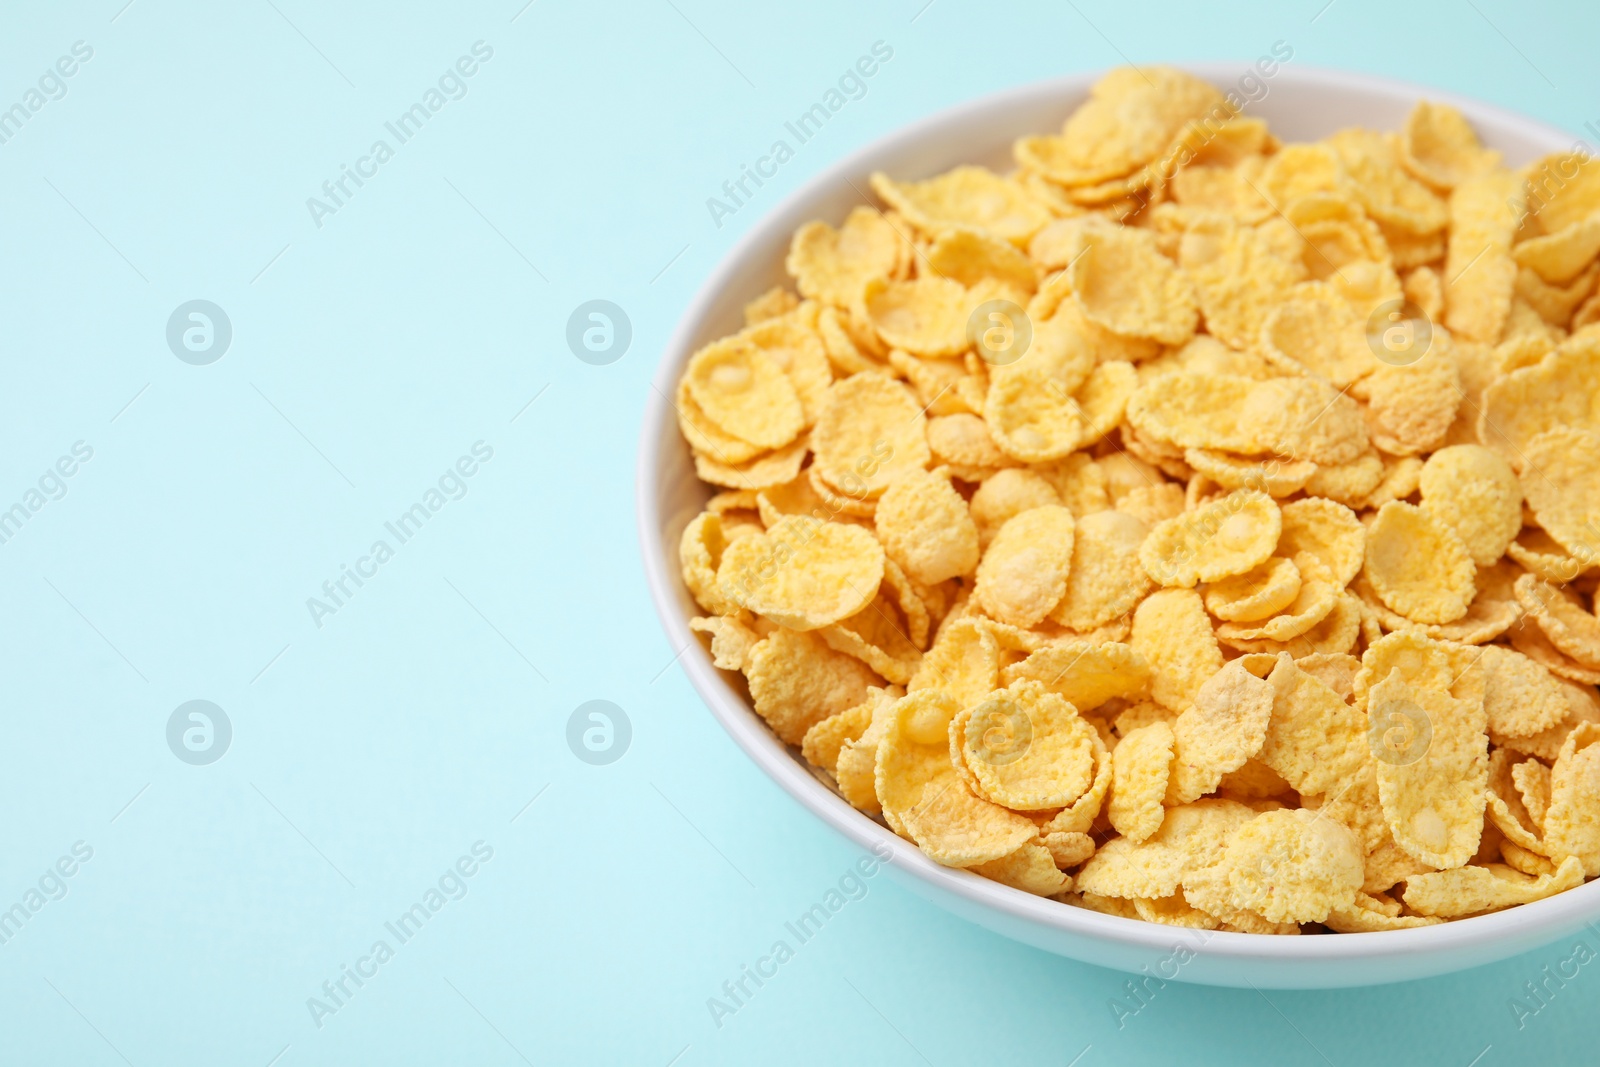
(1300,104)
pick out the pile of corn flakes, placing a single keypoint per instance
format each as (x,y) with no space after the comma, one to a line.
(1184,525)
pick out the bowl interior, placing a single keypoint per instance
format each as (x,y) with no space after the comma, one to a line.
(1300,104)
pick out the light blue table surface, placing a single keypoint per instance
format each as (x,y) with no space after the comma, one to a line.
(419,720)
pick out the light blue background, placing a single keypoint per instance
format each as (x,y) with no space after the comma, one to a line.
(367,356)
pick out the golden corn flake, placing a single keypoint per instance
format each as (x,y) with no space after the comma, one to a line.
(1123,282)
(1173,635)
(1560,390)
(823,741)
(970,197)
(972,256)
(1520,697)
(1418,566)
(1541,555)
(855,766)
(926,316)
(1439,146)
(963,662)
(744,393)
(919,787)
(1315,741)
(796,681)
(1139,767)
(1023,573)
(870,430)
(803,573)
(1313,603)
(832,265)
(778,467)
(1300,171)
(1563,487)
(1479,271)
(1154,504)
(1277,477)
(1433,768)
(1175,911)
(962,441)
(1224,538)
(705,436)
(1400,479)
(845,350)
(1256,594)
(1532,780)
(1557,303)
(1291,866)
(936,382)
(1239,274)
(1079,816)
(1463,891)
(1131,118)
(1103,399)
(1086,675)
(1368,915)
(1189,842)
(1410,408)
(1225,726)
(878,636)
(1106,581)
(925,528)
(1026,748)
(1347,483)
(1574,631)
(1388,194)
(1121,868)
(1570,193)
(1296,418)
(1474,491)
(699,555)
(1506,810)
(1422,661)
(771,304)
(1032,869)
(1326,530)
(1204,354)
(1186,848)
(731,640)
(1335,634)
(1572,822)
(1006,494)
(1069,849)
(1031,407)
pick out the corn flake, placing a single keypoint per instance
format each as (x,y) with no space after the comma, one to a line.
(832,265)
(1086,675)
(1433,768)
(1219,540)
(796,681)
(1572,821)
(1026,748)
(970,197)
(1106,581)
(1418,566)
(803,573)
(1139,768)
(870,431)
(1224,726)
(1291,866)
(1023,573)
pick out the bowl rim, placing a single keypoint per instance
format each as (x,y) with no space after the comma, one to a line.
(1527,924)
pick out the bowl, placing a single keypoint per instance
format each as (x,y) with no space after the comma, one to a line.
(1301,104)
